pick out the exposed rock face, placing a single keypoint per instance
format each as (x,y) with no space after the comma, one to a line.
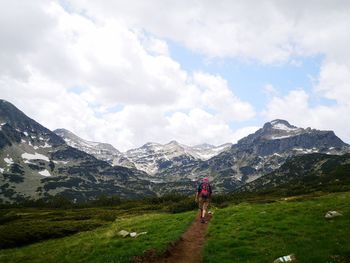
(102,151)
(258,154)
(37,163)
(279,136)
(151,158)
(305,173)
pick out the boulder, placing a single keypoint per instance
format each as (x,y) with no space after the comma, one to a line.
(123,233)
(332,214)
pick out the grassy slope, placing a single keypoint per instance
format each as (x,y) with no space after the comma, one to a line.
(263,232)
(103,244)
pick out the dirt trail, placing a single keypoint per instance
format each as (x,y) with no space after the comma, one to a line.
(189,248)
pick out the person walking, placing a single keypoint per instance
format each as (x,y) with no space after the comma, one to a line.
(203,193)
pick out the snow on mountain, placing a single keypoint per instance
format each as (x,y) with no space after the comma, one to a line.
(87,146)
(154,157)
(9,161)
(151,157)
(102,151)
(45,173)
(36,163)
(35,156)
(207,151)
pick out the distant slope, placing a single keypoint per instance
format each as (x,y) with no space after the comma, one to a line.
(151,157)
(102,151)
(37,163)
(306,173)
(265,151)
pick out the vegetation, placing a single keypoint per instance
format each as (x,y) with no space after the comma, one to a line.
(103,244)
(253,232)
(246,227)
(58,217)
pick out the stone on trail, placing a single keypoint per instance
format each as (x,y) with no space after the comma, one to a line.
(289,258)
(123,233)
(332,214)
(142,233)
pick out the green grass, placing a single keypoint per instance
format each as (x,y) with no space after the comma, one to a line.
(263,232)
(23,226)
(103,244)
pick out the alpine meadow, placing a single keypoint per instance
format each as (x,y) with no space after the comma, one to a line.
(161,131)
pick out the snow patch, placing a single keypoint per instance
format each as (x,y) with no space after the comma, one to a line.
(2,170)
(2,124)
(45,173)
(36,156)
(25,133)
(46,145)
(9,161)
(280,137)
(63,162)
(36,147)
(281,126)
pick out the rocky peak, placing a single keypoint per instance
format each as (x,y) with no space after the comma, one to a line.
(279,124)
(15,124)
(204,146)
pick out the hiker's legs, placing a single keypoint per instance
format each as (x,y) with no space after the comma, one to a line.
(204,208)
(201,206)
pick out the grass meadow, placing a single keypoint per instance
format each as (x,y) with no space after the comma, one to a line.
(250,232)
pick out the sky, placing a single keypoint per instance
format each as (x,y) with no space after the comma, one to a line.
(131,72)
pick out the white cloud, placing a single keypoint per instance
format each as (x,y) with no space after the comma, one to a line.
(130,90)
(155,46)
(270,90)
(297,109)
(217,96)
(268,31)
(334,82)
(118,55)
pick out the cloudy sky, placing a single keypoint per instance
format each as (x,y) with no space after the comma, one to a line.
(129,72)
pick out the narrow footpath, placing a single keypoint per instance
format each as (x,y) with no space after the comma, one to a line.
(187,250)
(189,247)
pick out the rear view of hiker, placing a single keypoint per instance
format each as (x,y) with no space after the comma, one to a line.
(204,194)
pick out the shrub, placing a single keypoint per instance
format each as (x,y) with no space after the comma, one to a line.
(184,205)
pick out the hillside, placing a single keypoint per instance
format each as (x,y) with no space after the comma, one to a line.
(306,173)
(36,163)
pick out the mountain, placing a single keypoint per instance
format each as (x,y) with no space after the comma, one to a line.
(154,158)
(206,151)
(102,151)
(306,173)
(258,154)
(151,158)
(37,163)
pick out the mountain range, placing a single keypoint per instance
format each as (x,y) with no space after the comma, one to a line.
(38,163)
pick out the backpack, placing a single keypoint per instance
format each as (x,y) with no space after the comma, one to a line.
(205,189)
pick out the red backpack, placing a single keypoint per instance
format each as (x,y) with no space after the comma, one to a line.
(205,188)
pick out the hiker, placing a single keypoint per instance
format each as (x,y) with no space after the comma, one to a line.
(204,194)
